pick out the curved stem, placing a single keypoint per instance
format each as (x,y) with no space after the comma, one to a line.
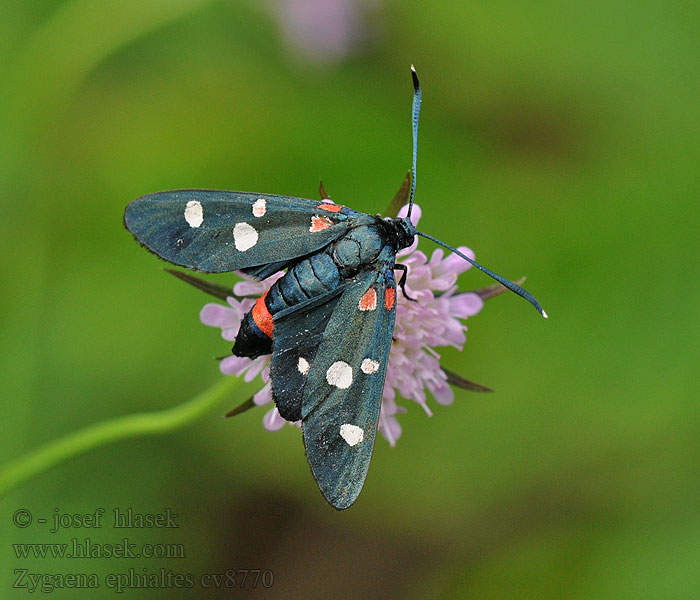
(20,470)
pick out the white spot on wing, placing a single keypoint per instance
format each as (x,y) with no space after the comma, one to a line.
(369,366)
(303,365)
(194,213)
(244,236)
(352,434)
(339,374)
(259,207)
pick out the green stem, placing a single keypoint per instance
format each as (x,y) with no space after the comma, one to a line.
(18,471)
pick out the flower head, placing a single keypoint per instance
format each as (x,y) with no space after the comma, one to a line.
(433,320)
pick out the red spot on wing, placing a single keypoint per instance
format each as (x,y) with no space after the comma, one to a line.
(330,207)
(319,223)
(368,300)
(389,298)
(262,316)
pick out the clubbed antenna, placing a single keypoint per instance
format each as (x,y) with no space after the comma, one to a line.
(514,287)
(415,115)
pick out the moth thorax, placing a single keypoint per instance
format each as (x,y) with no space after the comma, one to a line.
(360,246)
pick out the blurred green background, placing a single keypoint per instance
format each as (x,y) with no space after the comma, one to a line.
(559,140)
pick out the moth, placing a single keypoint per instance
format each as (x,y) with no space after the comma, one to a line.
(328,322)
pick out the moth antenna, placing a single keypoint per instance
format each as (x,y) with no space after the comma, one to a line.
(415,115)
(514,287)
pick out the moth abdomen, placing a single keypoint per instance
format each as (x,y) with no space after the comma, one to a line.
(255,334)
(308,278)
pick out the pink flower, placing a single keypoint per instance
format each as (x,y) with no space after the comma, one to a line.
(434,320)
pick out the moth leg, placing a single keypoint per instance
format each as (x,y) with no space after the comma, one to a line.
(402,281)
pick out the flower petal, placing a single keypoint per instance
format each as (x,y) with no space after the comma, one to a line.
(234,365)
(466,304)
(389,428)
(253,287)
(442,392)
(217,315)
(273,421)
(263,396)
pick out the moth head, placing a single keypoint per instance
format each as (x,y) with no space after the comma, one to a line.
(405,232)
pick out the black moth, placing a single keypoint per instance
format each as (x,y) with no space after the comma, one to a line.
(328,322)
